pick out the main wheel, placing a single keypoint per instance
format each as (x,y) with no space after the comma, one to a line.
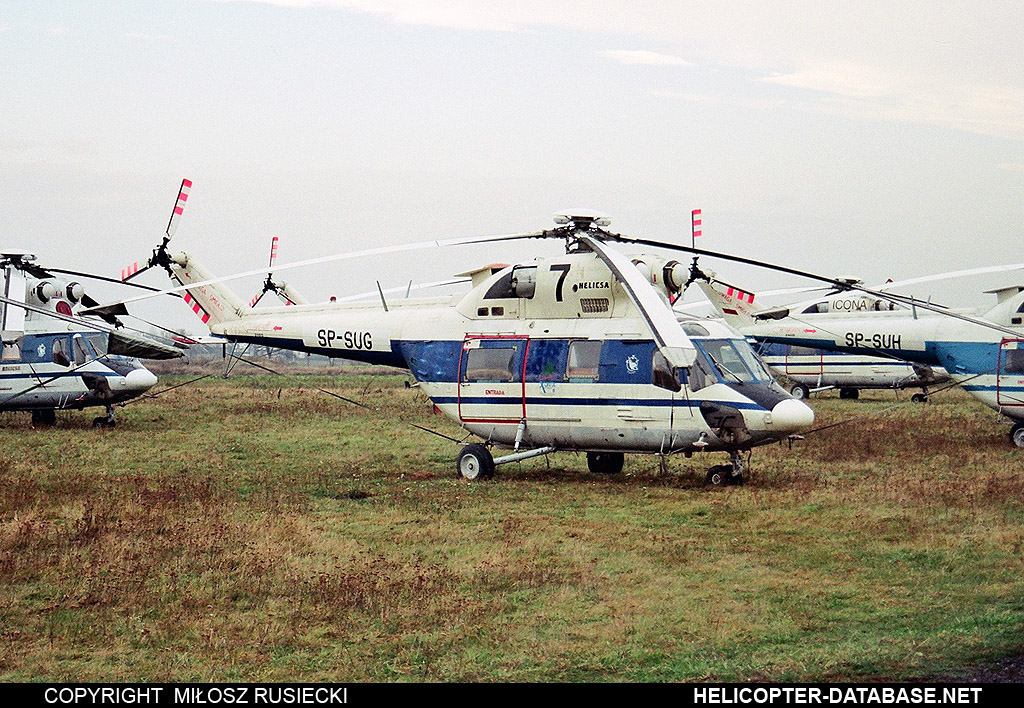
(919,398)
(474,462)
(44,417)
(605,462)
(850,393)
(1017,435)
(800,391)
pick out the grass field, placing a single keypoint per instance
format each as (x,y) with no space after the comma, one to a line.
(256,529)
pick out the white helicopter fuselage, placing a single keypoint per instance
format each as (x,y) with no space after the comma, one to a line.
(982,361)
(52,361)
(821,368)
(814,368)
(552,353)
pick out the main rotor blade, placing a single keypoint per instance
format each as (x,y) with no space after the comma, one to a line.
(672,341)
(842,285)
(422,245)
(950,275)
(90,324)
(105,279)
(404,288)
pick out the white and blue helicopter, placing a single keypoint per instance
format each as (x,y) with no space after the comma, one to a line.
(53,359)
(579,352)
(814,370)
(982,351)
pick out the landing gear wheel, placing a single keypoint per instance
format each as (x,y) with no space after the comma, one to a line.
(720,475)
(919,398)
(1017,435)
(474,462)
(849,393)
(800,391)
(605,462)
(44,418)
(105,421)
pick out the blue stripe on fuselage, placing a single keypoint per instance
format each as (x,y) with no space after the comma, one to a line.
(959,357)
(593,401)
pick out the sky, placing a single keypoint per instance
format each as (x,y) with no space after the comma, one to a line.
(868,139)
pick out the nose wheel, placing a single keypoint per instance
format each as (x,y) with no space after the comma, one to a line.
(105,421)
(728,475)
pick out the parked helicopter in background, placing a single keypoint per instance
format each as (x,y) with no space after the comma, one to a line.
(983,351)
(813,370)
(579,352)
(54,360)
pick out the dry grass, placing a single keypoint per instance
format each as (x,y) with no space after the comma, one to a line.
(257,529)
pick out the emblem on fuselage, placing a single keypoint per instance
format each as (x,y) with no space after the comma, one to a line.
(632,364)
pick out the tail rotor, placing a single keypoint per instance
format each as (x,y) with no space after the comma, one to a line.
(283,291)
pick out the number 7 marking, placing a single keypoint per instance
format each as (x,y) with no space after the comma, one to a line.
(564,267)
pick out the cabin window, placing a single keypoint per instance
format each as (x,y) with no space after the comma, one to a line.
(584,359)
(12,350)
(490,364)
(804,351)
(60,352)
(663,375)
(1013,361)
(695,330)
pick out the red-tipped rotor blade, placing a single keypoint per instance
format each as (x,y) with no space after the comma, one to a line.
(179,206)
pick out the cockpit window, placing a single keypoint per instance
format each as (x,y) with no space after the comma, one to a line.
(98,342)
(82,351)
(695,330)
(733,360)
(702,374)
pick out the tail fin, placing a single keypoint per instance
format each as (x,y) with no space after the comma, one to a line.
(213,302)
(1010,310)
(734,305)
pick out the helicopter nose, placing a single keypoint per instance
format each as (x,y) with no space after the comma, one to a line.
(139,380)
(792,416)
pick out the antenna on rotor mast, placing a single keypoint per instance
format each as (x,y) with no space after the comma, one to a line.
(695,227)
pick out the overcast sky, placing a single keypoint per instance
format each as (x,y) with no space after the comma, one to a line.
(875,139)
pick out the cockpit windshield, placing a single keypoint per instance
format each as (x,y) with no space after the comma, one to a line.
(733,360)
(98,342)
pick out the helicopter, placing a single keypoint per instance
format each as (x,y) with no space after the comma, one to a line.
(982,351)
(53,360)
(579,352)
(814,370)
